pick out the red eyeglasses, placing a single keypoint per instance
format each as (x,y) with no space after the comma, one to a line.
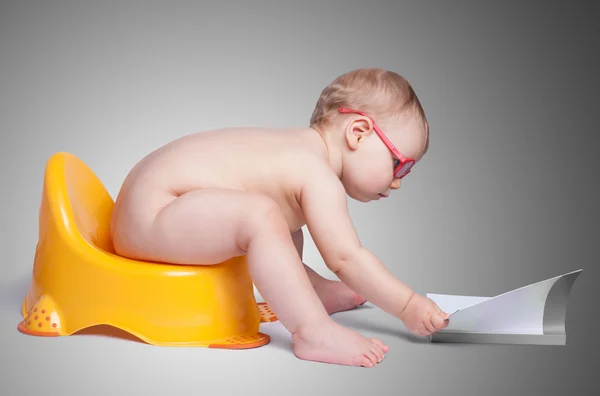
(402,165)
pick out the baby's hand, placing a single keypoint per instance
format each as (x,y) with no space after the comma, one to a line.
(423,317)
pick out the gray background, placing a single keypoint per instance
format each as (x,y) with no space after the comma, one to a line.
(506,195)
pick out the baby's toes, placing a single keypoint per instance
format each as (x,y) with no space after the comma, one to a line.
(383,346)
(376,349)
(366,362)
(358,300)
(370,359)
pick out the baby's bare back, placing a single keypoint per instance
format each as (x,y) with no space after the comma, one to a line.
(271,162)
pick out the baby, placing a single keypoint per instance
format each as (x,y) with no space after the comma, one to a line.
(210,196)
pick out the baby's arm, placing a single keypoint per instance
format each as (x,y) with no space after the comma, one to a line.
(325,207)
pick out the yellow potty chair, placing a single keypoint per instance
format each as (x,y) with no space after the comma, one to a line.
(79,282)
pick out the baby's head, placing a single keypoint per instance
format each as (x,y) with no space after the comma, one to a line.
(364,156)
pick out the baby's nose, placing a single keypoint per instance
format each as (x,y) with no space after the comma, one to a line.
(395,184)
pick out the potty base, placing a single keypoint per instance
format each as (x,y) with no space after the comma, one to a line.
(266,315)
(244,341)
(43,320)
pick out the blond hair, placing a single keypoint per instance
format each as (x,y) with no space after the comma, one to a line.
(377,92)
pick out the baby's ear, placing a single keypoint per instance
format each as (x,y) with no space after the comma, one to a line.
(357,131)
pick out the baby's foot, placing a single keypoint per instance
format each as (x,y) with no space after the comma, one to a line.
(332,343)
(337,297)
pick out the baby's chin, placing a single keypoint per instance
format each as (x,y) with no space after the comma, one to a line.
(360,194)
(361,197)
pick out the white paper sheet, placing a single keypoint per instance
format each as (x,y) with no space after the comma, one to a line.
(520,311)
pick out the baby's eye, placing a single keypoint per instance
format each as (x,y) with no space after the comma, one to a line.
(396,163)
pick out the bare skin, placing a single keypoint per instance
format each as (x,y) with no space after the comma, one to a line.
(210,196)
(334,295)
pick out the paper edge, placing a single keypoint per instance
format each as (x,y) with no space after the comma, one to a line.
(510,291)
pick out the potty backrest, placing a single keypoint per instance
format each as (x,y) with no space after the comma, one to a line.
(84,200)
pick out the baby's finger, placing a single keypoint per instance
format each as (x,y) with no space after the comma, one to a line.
(439,310)
(424,333)
(429,325)
(419,331)
(438,322)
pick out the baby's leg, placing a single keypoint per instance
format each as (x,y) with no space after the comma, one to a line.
(335,295)
(212,225)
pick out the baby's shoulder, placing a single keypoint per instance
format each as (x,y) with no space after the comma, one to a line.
(315,177)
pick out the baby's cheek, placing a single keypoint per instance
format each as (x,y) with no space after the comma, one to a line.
(378,181)
(383,175)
